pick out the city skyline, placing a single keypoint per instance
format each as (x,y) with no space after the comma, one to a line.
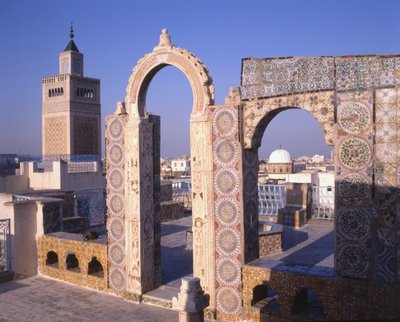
(114,36)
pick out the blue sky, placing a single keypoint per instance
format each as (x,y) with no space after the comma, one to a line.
(113,35)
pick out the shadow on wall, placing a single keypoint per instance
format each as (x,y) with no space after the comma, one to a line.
(177,262)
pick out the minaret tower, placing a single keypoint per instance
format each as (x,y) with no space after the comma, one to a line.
(71,108)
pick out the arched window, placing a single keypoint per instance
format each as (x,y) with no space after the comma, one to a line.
(72,263)
(49,92)
(95,268)
(52,259)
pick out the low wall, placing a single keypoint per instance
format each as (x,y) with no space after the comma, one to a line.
(274,291)
(64,244)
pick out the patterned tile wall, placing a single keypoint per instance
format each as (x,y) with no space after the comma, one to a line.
(282,76)
(228,241)
(387,132)
(354,182)
(268,77)
(115,186)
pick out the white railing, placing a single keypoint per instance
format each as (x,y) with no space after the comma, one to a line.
(271,198)
(323,203)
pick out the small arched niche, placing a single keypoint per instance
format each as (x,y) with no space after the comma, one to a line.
(72,263)
(95,268)
(265,299)
(52,259)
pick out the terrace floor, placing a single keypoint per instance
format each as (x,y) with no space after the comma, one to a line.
(40,298)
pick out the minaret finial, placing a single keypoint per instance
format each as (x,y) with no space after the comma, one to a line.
(71,34)
(280,146)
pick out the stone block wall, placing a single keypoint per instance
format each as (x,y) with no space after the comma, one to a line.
(84,252)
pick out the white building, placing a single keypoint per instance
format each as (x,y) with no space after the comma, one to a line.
(181,166)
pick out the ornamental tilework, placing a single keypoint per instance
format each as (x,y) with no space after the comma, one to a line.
(115,200)
(272,77)
(354,164)
(268,77)
(387,132)
(258,113)
(250,204)
(228,237)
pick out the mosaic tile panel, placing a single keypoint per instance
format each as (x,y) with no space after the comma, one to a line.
(91,205)
(268,77)
(52,217)
(354,181)
(387,132)
(115,201)
(282,76)
(228,238)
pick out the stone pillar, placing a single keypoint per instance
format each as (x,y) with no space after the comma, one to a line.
(202,202)
(191,301)
(139,217)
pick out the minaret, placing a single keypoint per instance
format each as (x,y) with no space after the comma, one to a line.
(71,108)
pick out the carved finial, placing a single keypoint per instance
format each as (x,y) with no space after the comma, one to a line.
(120,108)
(165,39)
(71,31)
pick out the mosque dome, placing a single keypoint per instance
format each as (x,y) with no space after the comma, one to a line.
(280,156)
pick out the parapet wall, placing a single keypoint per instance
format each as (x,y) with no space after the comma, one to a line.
(268,77)
(63,244)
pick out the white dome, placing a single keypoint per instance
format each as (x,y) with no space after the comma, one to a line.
(280,156)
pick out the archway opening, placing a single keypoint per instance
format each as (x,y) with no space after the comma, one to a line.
(169,95)
(296,185)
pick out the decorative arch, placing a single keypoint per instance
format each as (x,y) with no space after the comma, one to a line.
(165,54)
(258,113)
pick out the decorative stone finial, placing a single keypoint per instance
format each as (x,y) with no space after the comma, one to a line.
(191,300)
(120,108)
(165,40)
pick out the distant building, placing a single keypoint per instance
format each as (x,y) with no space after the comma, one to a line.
(181,166)
(317,158)
(279,165)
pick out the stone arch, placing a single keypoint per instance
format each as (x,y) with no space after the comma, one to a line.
(135,259)
(258,114)
(164,54)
